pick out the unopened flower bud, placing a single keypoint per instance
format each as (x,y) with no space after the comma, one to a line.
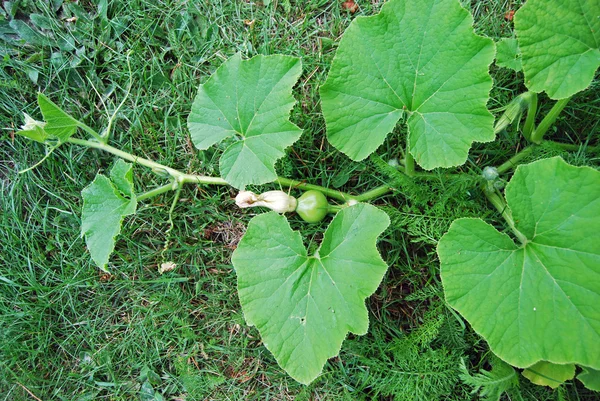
(278,201)
(490,173)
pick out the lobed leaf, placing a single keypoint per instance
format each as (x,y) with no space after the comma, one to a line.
(249,100)
(415,59)
(560,44)
(303,306)
(537,301)
(105,203)
(508,54)
(58,123)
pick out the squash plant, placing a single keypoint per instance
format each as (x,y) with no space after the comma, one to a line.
(532,294)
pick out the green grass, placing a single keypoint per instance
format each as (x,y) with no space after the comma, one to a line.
(71,332)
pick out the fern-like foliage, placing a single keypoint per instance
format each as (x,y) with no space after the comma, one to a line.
(426,293)
(491,384)
(452,332)
(432,203)
(414,375)
(410,367)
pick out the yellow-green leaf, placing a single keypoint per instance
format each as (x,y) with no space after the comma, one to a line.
(549,374)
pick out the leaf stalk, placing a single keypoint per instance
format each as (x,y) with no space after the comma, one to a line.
(157,191)
(499,203)
(514,161)
(529,126)
(549,120)
(409,162)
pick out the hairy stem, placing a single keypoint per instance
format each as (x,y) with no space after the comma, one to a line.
(529,126)
(549,120)
(373,193)
(198,179)
(330,193)
(499,203)
(333,209)
(514,161)
(176,174)
(90,131)
(157,191)
(409,162)
(574,147)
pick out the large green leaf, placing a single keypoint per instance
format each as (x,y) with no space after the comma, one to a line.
(105,203)
(303,306)
(251,101)
(415,58)
(538,300)
(560,44)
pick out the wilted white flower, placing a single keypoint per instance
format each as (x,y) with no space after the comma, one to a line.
(166,267)
(31,124)
(278,201)
(245,199)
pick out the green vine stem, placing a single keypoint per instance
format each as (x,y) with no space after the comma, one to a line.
(183,178)
(90,131)
(157,191)
(499,203)
(373,193)
(330,193)
(514,161)
(177,175)
(409,162)
(333,209)
(550,118)
(529,126)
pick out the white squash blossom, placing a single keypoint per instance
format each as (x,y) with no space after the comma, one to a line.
(31,124)
(278,201)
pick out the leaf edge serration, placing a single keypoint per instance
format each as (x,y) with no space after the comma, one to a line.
(268,173)
(486,45)
(102,260)
(382,226)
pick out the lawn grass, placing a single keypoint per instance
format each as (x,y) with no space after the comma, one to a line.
(71,332)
